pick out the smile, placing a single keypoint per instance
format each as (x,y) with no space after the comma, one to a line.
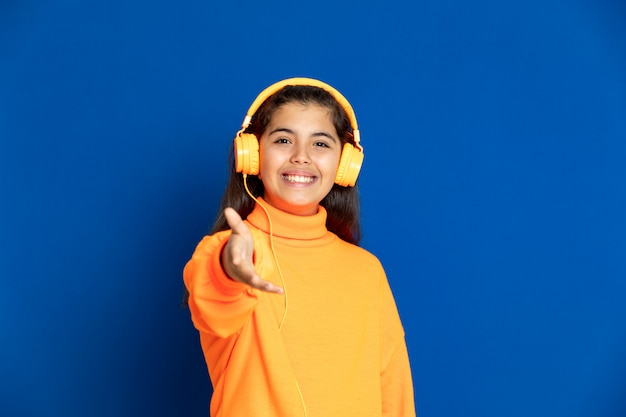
(299,179)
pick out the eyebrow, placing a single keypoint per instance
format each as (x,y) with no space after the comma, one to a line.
(287,130)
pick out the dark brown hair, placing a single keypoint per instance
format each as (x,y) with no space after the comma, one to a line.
(341,203)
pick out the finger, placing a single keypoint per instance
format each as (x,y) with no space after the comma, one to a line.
(235,223)
(260,284)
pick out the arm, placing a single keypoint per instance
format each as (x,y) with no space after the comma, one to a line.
(395,375)
(397,384)
(218,305)
(222,279)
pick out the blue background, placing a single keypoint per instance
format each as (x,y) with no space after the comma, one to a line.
(493,191)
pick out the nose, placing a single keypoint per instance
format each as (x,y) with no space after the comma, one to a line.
(300,154)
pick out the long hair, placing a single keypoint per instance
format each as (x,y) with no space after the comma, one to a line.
(341,203)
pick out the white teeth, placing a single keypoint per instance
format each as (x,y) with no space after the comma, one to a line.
(298,178)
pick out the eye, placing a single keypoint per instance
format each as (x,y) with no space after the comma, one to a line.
(321,144)
(281,140)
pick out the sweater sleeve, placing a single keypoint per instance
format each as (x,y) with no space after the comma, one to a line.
(396,378)
(219,305)
(397,385)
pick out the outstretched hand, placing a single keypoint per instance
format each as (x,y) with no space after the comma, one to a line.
(237,255)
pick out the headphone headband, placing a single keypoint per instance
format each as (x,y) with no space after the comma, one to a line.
(343,102)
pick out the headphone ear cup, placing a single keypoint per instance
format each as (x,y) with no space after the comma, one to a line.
(246,154)
(349,166)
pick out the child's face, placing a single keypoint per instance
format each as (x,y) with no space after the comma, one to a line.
(299,155)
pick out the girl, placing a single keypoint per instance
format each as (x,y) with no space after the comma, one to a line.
(294,318)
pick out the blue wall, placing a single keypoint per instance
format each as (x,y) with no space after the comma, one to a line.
(493,191)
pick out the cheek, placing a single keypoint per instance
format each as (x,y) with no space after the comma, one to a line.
(332,164)
(268,163)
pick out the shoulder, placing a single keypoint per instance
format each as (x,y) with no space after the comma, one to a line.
(359,254)
(358,250)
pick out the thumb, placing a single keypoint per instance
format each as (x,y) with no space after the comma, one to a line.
(235,222)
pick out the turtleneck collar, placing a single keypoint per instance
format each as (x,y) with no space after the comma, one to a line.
(289,225)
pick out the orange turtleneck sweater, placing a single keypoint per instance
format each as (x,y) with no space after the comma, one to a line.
(340,351)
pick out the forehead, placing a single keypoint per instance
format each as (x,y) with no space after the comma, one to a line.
(296,111)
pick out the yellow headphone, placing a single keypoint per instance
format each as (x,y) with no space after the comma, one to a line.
(247,145)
